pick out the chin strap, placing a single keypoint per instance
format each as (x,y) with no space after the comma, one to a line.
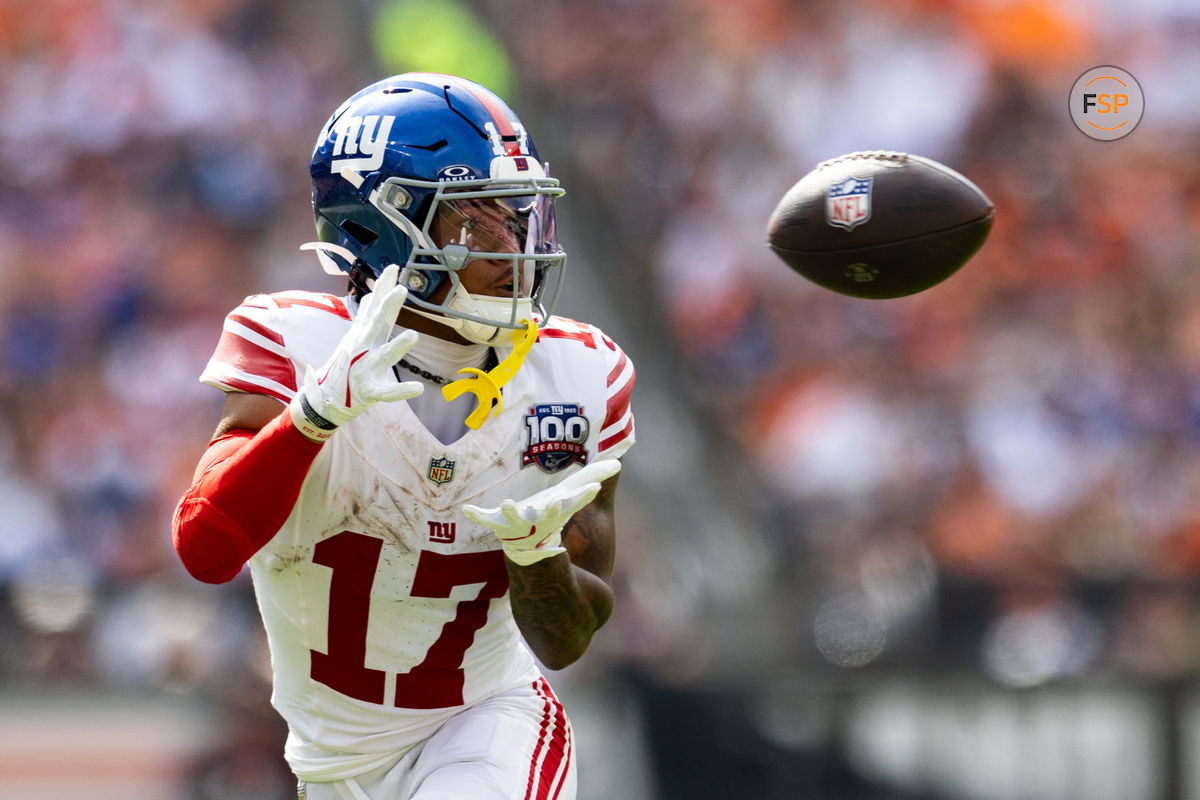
(486,385)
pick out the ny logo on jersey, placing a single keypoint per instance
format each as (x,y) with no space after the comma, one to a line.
(557,432)
(441,470)
(364,137)
(442,532)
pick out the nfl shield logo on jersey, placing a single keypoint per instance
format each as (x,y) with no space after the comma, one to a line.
(557,432)
(848,203)
(441,470)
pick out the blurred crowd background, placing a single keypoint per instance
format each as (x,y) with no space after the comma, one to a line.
(842,512)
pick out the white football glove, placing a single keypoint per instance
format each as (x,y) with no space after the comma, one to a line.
(359,373)
(531,529)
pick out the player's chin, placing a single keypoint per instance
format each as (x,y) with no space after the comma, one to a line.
(504,290)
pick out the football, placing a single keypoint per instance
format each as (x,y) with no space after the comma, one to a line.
(880,224)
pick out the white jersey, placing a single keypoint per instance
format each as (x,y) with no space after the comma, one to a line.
(385,608)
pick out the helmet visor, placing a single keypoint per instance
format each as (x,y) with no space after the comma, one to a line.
(517,228)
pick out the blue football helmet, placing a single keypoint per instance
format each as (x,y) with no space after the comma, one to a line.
(429,172)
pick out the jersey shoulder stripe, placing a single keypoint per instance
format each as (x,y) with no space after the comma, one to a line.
(242,360)
(320,301)
(617,432)
(565,328)
(618,401)
(247,325)
(264,342)
(617,429)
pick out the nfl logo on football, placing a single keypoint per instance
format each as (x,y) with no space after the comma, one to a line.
(848,203)
(441,470)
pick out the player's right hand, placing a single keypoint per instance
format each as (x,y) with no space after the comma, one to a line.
(359,373)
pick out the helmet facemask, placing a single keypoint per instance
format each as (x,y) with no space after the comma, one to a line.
(468,220)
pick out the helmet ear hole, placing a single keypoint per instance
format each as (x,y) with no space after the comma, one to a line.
(359,233)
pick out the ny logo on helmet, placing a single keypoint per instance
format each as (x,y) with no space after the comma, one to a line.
(365,138)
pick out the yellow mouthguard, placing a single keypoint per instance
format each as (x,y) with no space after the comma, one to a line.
(486,385)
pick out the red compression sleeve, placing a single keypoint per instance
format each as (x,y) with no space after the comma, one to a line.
(243,491)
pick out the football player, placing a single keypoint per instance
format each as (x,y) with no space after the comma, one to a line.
(421,473)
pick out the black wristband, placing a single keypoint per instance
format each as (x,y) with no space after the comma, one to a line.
(312,416)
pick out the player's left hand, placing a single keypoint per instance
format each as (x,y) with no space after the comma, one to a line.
(531,529)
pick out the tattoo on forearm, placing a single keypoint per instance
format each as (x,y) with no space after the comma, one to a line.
(560,602)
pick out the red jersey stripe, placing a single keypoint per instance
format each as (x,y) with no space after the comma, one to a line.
(616,371)
(246,356)
(566,767)
(558,746)
(321,302)
(584,336)
(239,385)
(617,437)
(618,404)
(257,327)
(537,751)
